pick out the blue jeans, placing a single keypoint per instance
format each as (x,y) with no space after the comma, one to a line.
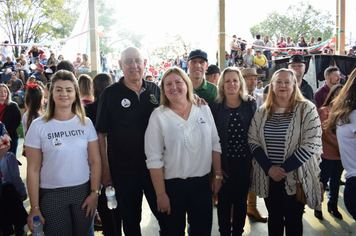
(331,170)
(35,73)
(349,196)
(20,95)
(268,56)
(129,194)
(91,231)
(83,70)
(192,196)
(104,68)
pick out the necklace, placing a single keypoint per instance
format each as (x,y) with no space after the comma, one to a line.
(181,113)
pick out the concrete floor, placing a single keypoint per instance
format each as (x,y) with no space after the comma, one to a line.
(312,226)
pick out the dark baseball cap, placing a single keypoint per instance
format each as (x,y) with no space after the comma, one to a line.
(212,69)
(198,53)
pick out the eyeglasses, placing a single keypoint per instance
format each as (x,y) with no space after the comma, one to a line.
(296,65)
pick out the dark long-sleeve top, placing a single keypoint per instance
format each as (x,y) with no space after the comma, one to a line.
(12,119)
(221,113)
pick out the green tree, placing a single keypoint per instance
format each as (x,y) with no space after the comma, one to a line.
(116,36)
(174,45)
(299,20)
(30,21)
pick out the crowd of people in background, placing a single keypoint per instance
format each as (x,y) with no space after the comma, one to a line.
(185,134)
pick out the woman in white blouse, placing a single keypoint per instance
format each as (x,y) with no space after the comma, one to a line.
(181,145)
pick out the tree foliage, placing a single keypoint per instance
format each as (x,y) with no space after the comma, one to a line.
(174,45)
(30,21)
(299,20)
(116,36)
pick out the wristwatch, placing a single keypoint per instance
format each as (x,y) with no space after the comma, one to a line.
(219,177)
(95,191)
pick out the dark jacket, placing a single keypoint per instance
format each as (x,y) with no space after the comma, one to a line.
(221,114)
(12,119)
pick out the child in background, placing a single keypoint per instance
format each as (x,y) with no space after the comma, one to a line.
(13,191)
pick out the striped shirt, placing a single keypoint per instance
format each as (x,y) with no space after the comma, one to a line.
(275,137)
(275,132)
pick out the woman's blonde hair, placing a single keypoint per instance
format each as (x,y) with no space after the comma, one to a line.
(8,99)
(271,101)
(183,75)
(85,83)
(77,107)
(343,105)
(221,93)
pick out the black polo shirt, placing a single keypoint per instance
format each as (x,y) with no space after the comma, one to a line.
(124,115)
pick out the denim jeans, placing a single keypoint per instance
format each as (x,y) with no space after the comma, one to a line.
(20,95)
(268,56)
(190,196)
(129,194)
(104,68)
(91,231)
(83,70)
(349,196)
(331,170)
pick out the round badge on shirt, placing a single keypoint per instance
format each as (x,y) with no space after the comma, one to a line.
(202,120)
(57,142)
(126,103)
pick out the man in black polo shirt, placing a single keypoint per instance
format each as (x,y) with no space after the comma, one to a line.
(122,118)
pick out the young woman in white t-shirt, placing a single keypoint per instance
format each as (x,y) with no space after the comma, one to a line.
(63,170)
(342,122)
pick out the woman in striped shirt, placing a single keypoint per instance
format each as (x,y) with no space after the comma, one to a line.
(285,138)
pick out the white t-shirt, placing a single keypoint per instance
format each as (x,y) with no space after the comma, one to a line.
(346,138)
(259,91)
(64,147)
(182,147)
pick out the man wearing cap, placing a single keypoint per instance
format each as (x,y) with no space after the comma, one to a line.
(260,88)
(197,65)
(332,77)
(297,64)
(212,74)
(261,63)
(250,77)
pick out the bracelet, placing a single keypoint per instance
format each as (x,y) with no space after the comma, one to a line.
(36,208)
(95,191)
(219,171)
(219,177)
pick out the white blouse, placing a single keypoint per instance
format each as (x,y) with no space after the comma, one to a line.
(183,148)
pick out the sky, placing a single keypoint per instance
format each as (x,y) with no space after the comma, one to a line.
(197,20)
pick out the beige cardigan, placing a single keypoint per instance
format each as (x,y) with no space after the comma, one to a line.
(311,141)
